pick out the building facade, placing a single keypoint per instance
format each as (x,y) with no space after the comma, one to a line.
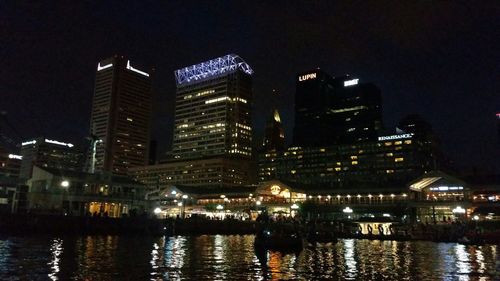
(213,109)
(336,110)
(215,171)
(212,142)
(49,153)
(121,116)
(55,191)
(390,161)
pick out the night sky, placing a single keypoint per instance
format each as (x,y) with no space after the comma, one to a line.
(439,59)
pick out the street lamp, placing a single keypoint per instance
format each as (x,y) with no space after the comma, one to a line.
(294,206)
(157,210)
(182,204)
(65,183)
(458,210)
(347,210)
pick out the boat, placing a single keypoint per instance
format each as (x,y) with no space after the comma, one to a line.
(278,240)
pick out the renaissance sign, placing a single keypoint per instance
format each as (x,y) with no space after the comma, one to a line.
(395,137)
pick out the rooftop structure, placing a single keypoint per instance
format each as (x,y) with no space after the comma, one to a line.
(211,69)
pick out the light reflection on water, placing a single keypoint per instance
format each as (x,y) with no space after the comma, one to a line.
(220,257)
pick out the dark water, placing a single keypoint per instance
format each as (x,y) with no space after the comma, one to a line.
(233,258)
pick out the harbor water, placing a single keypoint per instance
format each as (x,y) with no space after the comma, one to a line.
(232,257)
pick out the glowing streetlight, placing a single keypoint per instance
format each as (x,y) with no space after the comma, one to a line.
(294,206)
(219,207)
(458,210)
(179,204)
(347,210)
(157,211)
(185,196)
(258,203)
(65,183)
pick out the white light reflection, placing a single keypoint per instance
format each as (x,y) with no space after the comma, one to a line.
(463,261)
(175,253)
(56,250)
(350,262)
(480,260)
(219,258)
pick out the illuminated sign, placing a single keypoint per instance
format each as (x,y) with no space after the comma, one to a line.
(13,156)
(99,67)
(307,77)
(59,143)
(129,67)
(275,190)
(498,115)
(446,188)
(351,82)
(395,137)
(28,142)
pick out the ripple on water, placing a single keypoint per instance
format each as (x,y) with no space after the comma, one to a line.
(217,257)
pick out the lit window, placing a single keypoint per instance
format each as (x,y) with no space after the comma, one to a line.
(354,162)
(337,169)
(407,141)
(399,159)
(398,142)
(354,157)
(388,143)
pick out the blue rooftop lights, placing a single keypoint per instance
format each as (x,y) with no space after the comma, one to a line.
(211,68)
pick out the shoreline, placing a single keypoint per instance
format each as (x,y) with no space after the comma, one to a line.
(141,225)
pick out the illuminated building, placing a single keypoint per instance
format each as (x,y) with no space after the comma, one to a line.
(212,142)
(246,201)
(10,164)
(391,161)
(121,115)
(50,153)
(274,138)
(74,193)
(338,110)
(213,171)
(213,109)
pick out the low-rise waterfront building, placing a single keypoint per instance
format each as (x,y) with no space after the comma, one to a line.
(56,191)
(275,197)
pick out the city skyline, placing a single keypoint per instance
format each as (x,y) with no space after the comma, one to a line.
(453,85)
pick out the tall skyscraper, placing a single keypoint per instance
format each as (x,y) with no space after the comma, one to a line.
(121,116)
(213,109)
(337,110)
(274,138)
(212,143)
